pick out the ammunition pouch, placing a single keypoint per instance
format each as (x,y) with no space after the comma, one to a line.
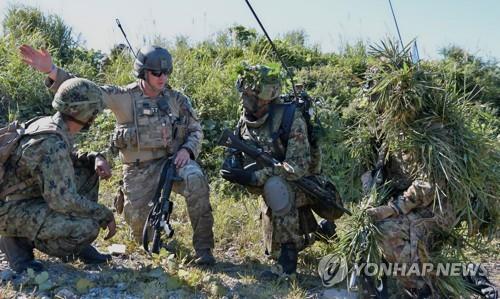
(180,130)
(124,136)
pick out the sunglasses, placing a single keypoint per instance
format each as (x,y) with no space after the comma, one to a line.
(158,73)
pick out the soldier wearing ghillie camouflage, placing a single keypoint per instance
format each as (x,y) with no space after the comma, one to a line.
(414,222)
(154,122)
(48,195)
(283,204)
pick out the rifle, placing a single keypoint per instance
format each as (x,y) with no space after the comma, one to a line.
(308,185)
(162,206)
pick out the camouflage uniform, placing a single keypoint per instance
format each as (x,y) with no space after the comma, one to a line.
(286,228)
(409,224)
(49,193)
(149,130)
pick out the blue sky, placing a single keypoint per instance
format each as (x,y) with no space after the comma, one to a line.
(473,25)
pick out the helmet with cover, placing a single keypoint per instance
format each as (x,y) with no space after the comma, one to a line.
(80,99)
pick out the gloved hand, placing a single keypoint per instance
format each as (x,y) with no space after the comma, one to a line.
(380,213)
(239,176)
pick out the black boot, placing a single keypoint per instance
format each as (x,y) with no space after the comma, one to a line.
(89,255)
(19,253)
(481,285)
(287,260)
(371,287)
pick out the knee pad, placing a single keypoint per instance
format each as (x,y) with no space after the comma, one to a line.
(278,195)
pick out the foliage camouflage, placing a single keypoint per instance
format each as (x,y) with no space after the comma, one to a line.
(452,141)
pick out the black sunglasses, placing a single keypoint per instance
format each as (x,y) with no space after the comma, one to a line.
(158,73)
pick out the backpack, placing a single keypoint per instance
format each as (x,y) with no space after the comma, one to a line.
(12,133)
(304,105)
(9,137)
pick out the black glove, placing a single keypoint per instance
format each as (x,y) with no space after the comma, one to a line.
(239,176)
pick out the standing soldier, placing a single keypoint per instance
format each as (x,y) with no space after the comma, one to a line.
(154,122)
(48,195)
(285,214)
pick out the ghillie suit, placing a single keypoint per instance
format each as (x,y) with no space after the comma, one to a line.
(432,185)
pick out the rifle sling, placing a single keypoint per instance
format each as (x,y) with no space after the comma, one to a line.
(284,129)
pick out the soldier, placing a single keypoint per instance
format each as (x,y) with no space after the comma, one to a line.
(413,224)
(284,206)
(410,226)
(49,194)
(153,122)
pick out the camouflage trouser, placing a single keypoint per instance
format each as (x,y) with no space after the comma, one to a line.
(51,232)
(409,239)
(279,230)
(140,183)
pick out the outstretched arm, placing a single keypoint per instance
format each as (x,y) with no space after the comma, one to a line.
(41,60)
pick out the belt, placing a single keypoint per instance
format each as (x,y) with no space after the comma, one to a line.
(133,156)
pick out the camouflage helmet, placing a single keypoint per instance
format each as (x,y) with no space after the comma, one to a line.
(78,98)
(260,80)
(152,58)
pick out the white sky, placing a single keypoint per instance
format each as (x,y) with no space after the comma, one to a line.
(473,25)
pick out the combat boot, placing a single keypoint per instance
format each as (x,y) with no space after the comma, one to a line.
(89,255)
(481,285)
(19,253)
(204,257)
(287,262)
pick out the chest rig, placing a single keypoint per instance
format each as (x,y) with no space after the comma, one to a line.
(159,129)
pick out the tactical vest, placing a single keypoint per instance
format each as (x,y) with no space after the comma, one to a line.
(158,130)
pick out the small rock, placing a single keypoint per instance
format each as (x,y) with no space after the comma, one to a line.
(117,249)
(338,294)
(66,294)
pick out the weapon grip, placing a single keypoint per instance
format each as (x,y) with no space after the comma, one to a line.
(224,137)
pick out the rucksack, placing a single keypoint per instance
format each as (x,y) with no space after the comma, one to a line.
(304,105)
(12,133)
(9,137)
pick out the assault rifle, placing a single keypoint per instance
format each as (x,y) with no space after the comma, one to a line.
(308,185)
(162,206)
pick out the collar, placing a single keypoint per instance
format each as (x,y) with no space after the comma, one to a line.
(59,121)
(162,93)
(255,123)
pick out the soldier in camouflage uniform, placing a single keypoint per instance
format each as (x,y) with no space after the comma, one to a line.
(409,225)
(153,122)
(282,206)
(48,197)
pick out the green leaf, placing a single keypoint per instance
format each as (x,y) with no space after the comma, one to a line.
(42,277)
(83,285)
(46,285)
(173,283)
